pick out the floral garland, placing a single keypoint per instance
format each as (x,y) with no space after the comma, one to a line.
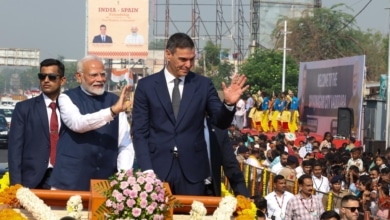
(296,187)
(74,206)
(4,181)
(8,213)
(271,178)
(330,200)
(225,208)
(243,207)
(198,211)
(8,201)
(8,196)
(34,205)
(264,181)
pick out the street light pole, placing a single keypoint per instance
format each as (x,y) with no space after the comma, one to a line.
(284,56)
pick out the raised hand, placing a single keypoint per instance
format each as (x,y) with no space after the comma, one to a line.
(235,90)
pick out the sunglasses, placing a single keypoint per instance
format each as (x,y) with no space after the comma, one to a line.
(353,209)
(52,76)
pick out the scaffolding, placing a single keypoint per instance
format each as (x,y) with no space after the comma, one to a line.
(236,25)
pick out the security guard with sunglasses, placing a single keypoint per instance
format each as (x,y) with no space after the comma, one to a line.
(34,130)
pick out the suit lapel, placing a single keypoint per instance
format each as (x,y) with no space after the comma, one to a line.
(42,114)
(161,90)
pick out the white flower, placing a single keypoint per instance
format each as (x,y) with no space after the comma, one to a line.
(74,206)
(225,208)
(34,205)
(198,211)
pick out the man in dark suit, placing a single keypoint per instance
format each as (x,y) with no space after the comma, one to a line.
(222,154)
(102,37)
(29,137)
(168,135)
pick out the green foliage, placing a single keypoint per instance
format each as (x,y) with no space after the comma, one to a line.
(264,71)
(330,33)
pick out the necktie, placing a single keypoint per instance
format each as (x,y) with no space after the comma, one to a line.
(53,133)
(104,38)
(176,96)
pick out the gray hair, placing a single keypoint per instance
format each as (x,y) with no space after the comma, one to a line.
(80,63)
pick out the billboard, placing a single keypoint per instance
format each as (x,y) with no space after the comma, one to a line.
(19,57)
(118,29)
(325,86)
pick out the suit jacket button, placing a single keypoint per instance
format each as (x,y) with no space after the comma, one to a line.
(97,168)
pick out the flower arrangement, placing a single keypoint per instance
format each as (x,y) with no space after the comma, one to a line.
(74,206)
(198,211)
(34,205)
(264,181)
(135,195)
(4,181)
(225,208)
(8,196)
(245,209)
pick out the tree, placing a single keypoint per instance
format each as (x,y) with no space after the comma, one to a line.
(264,71)
(329,33)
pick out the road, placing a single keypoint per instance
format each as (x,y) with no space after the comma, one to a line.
(3,155)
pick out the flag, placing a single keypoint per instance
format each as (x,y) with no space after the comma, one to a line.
(118,75)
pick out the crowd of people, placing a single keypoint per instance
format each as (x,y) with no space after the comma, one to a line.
(278,113)
(63,140)
(328,177)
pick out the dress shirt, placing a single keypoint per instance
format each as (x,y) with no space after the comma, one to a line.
(49,110)
(321,184)
(276,206)
(169,79)
(77,122)
(134,39)
(358,163)
(277,168)
(249,103)
(299,208)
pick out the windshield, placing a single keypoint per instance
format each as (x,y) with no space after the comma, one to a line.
(6,112)
(3,122)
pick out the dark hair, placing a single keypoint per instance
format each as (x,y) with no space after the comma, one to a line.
(278,177)
(329,214)
(347,198)
(376,168)
(385,170)
(103,25)
(179,40)
(303,177)
(307,130)
(259,201)
(260,214)
(354,168)
(365,180)
(306,163)
(53,62)
(328,133)
(356,149)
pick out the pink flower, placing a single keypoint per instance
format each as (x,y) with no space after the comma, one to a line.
(148,187)
(154,196)
(150,209)
(126,192)
(136,212)
(143,195)
(131,180)
(143,203)
(124,185)
(119,197)
(120,206)
(136,187)
(113,183)
(108,203)
(141,180)
(158,217)
(129,172)
(130,203)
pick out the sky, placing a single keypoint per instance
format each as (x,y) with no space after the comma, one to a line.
(57,27)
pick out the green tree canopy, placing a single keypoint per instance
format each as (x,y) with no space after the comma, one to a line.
(329,33)
(264,71)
